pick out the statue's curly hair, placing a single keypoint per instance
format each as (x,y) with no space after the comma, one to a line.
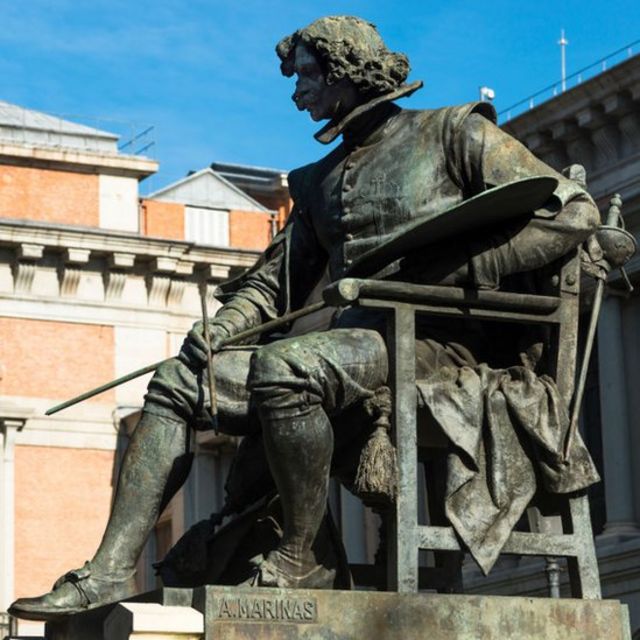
(348,47)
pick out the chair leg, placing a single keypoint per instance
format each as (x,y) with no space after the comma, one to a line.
(584,576)
(402,540)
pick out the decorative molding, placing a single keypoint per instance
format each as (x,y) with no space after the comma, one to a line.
(158,281)
(23,275)
(184,268)
(607,141)
(12,423)
(28,251)
(629,125)
(136,271)
(114,282)
(215,272)
(596,124)
(59,237)
(24,267)
(114,163)
(157,289)
(73,255)
(163,264)
(69,281)
(176,292)
(70,271)
(121,260)
(116,275)
(163,288)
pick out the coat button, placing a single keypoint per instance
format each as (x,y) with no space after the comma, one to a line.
(346,187)
(349,236)
(348,262)
(346,211)
(350,165)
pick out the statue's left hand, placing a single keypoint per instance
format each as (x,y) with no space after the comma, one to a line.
(194,348)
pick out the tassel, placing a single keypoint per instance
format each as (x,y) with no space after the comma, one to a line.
(376,477)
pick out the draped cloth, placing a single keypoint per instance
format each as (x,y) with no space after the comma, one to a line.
(507,428)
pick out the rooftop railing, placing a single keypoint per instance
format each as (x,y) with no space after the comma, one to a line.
(562,85)
(73,131)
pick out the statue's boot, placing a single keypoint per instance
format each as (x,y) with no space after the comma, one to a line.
(154,467)
(299,450)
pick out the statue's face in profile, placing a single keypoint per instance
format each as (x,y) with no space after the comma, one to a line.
(323,101)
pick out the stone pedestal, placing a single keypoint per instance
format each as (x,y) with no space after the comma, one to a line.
(232,613)
(146,620)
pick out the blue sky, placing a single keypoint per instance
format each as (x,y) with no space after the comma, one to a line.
(206,76)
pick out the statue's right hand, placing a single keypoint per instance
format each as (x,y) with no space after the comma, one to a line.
(194,348)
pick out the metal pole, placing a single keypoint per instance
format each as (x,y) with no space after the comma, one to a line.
(213,402)
(563,42)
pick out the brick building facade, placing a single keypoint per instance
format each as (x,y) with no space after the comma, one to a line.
(94,282)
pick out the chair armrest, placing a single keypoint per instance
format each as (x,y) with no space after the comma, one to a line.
(350,291)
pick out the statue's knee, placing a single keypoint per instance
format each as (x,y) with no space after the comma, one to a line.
(270,367)
(279,382)
(174,391)
(166,373)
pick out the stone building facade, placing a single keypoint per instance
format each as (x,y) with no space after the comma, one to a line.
(597,124)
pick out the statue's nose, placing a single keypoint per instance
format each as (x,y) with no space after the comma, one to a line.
(297,97)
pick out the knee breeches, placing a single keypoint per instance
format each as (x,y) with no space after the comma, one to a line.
(334,369)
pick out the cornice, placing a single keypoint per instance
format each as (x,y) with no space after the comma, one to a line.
(94,275)
(622,79)
(101,242)
(76,160)
(596,124)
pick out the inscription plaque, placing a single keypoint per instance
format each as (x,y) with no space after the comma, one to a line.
(263,609)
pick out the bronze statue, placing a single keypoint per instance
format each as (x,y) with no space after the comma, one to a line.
(291,398)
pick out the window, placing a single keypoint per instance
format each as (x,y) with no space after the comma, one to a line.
(207,226)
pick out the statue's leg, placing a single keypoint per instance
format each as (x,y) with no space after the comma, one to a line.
(299,449)
(157,458)
(155,465)
(297,385)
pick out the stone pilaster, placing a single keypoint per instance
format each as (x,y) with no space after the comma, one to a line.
(8,429)
(616,425)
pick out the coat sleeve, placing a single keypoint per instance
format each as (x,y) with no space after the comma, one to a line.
(482,156)
(282,277)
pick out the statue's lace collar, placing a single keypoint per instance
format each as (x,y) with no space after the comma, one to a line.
(333,129)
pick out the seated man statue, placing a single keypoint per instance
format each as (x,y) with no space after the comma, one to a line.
(392,167)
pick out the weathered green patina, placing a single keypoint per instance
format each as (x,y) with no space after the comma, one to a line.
(238,614)
(294,400)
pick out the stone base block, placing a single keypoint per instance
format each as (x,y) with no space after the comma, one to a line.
(232,613)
